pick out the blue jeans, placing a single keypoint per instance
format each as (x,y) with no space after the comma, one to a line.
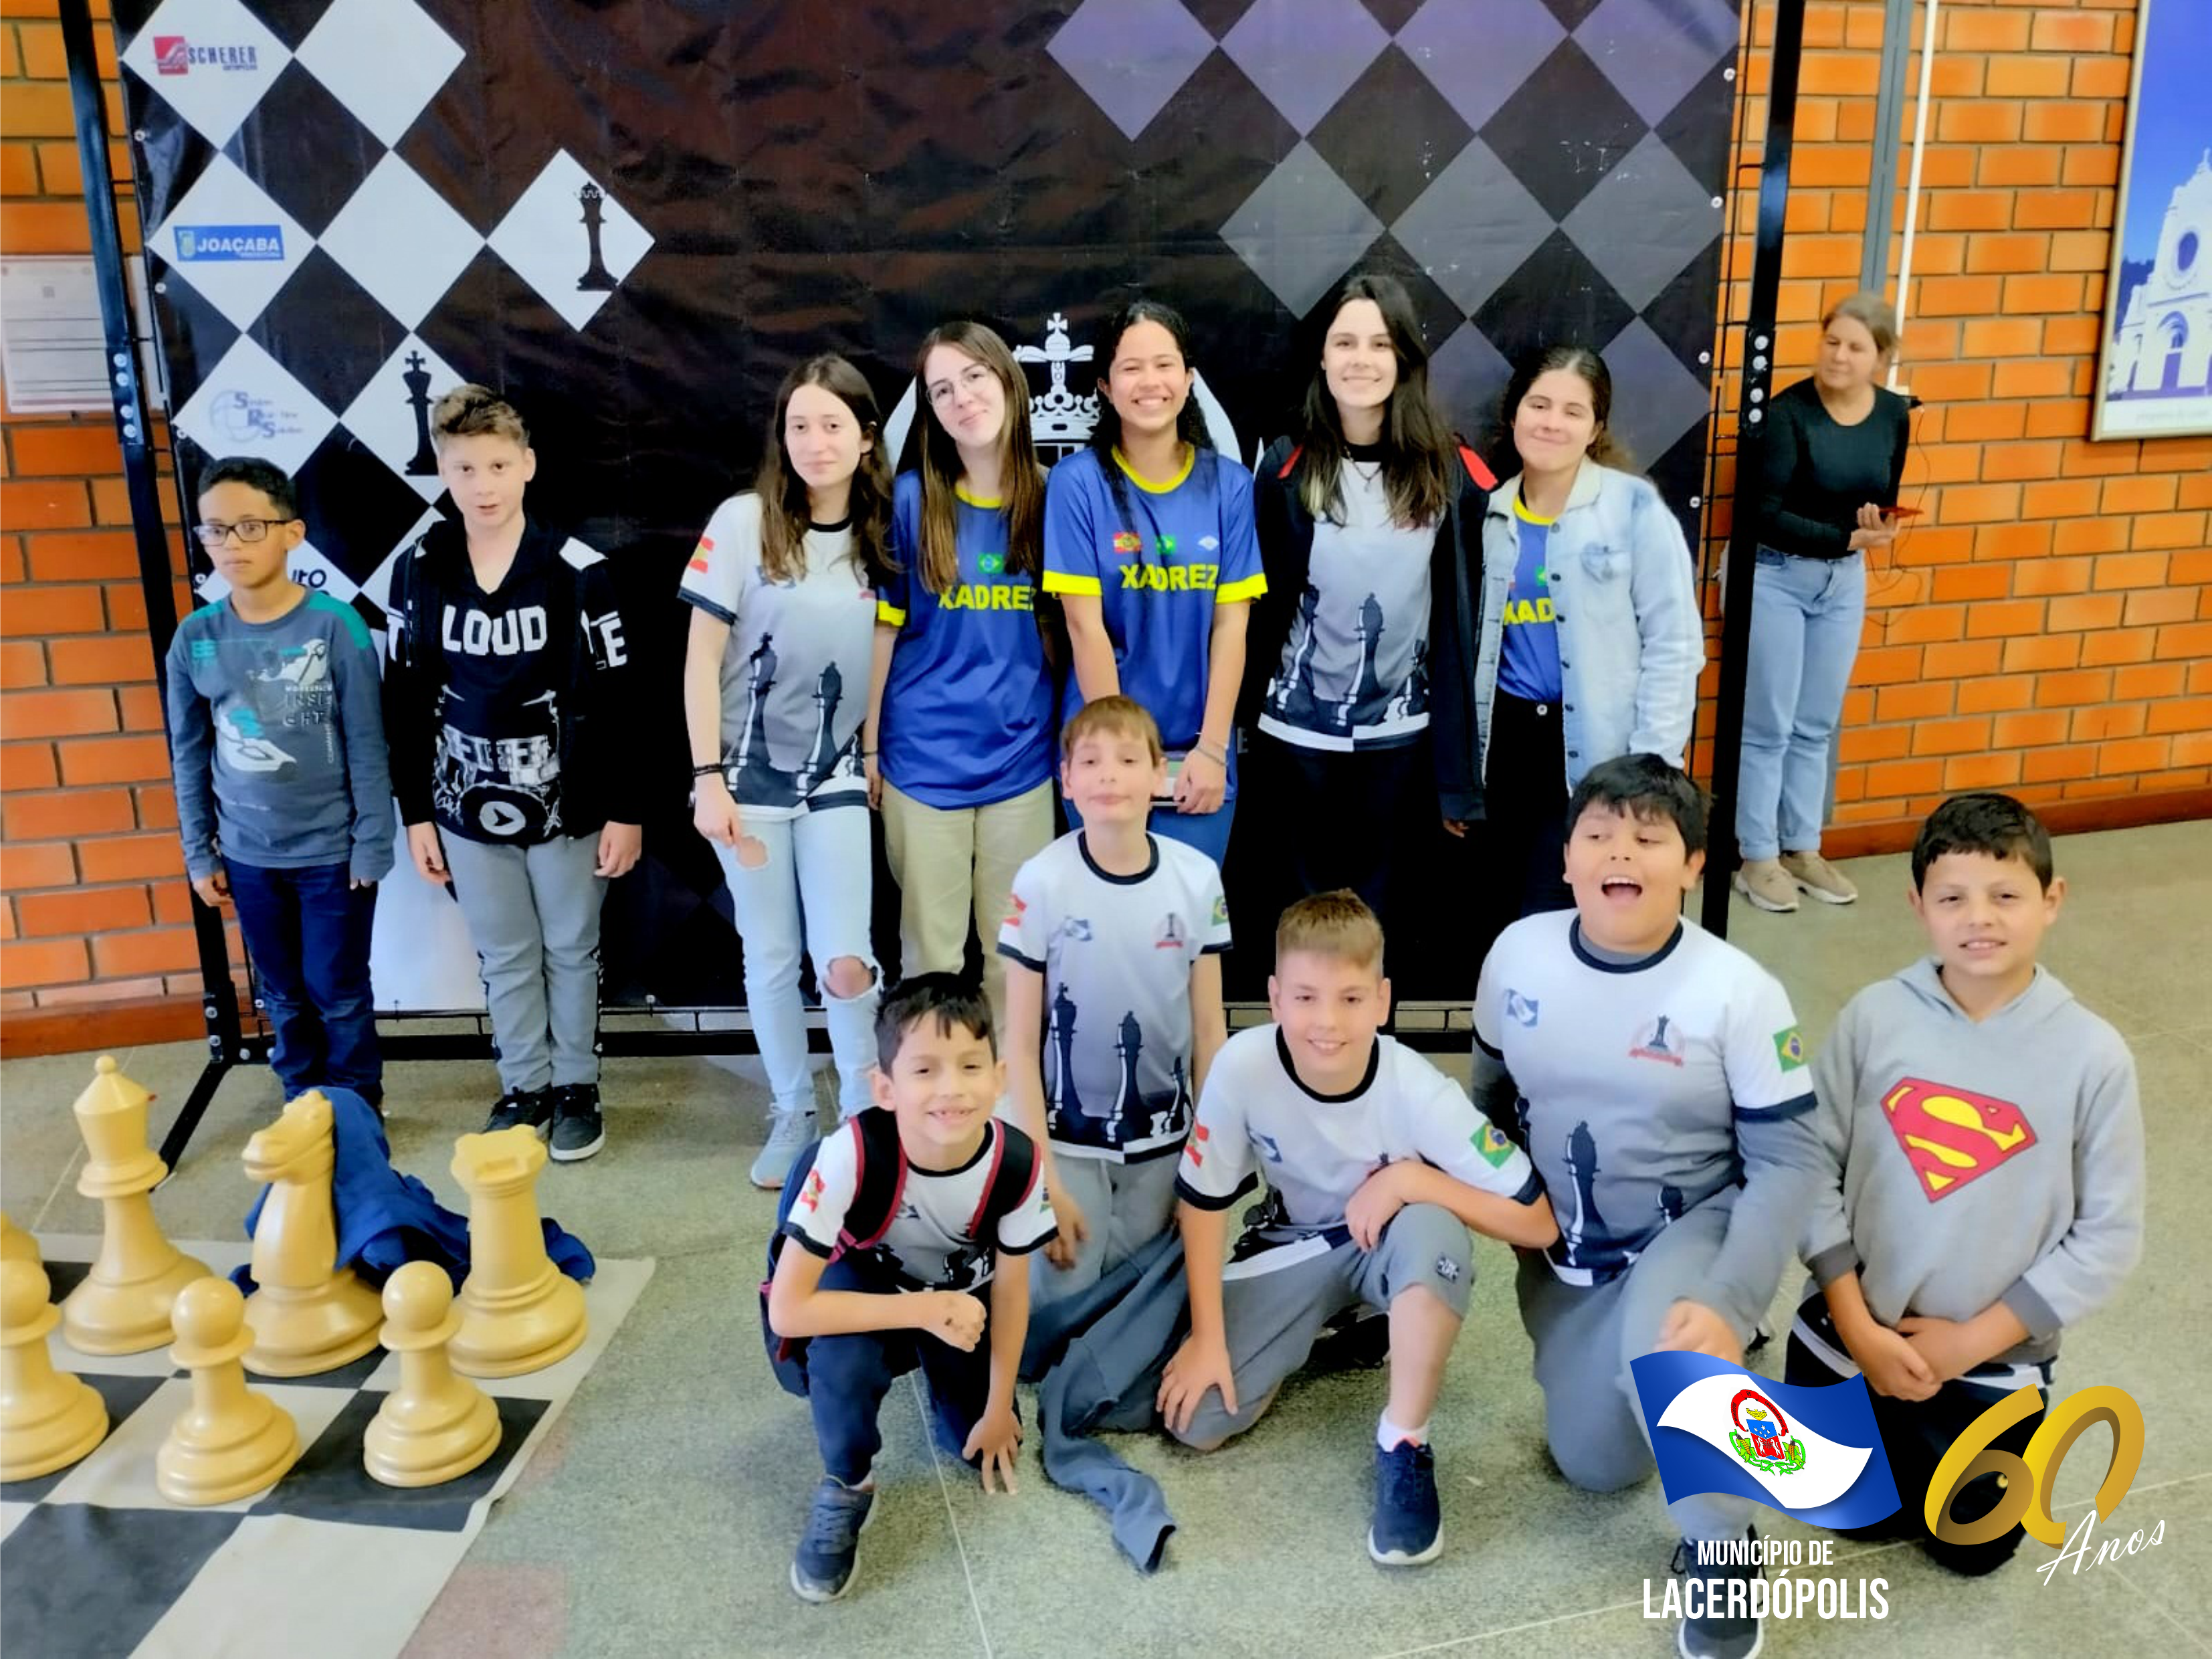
(1806,614)
(811,896)
(307,935)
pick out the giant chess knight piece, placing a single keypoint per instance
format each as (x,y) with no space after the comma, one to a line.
(424,462)
(309,1315)
(230,1442)
(123,1305)
(48,1417)
(434,1426)
(597,278)
(519,1312)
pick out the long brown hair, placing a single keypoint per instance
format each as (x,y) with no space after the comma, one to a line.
(1587,365)
(1416,443)
(784,514)
(1021,481)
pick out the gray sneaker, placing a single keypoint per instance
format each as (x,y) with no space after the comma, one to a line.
(789,1133)
(1819,878)
(1767,884)
(1725,1627)
(830,1548)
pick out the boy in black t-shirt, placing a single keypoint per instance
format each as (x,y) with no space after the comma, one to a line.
(508,690)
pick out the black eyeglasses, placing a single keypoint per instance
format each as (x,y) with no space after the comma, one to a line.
(248,531)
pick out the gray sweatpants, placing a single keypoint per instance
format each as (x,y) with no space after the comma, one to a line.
(1585,1336)
(533,915)
(1275,1302)
(1125,1207)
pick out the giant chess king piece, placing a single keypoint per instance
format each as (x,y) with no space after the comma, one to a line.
(123,1305)
(424,462)
(309,1315)
(519,1312)
(597,278)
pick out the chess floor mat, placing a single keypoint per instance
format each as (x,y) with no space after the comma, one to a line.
(96,1563)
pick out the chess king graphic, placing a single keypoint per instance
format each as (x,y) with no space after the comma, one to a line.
(1761,1437)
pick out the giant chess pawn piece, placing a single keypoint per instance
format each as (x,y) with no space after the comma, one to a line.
(230,1442)
(123,1305)
(309,1315)
(48,1419)
(434,1426)
(15,1244)
(519,1312)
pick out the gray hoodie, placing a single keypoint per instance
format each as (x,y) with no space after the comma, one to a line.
(1972,1163)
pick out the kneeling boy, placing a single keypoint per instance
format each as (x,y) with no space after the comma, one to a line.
(1983,1181)
(1377,1164)
(1659,1084)
(902,1214)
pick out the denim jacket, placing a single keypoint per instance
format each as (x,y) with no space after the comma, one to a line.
(1624,596)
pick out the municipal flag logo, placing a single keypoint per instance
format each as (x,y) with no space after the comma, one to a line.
(201,244)
(1520,1010)
(1491,1144)
(1790,1049)
(1761,1437)
(810,1195)
(1127,542)
(1270,1148)
(1951,1136)
(1193,1148)
(701,553)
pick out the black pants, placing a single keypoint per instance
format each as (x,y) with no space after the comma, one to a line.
(1345,815)
(1525,804)
(1915,1433)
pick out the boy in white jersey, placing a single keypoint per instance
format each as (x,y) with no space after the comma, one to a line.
(901,1224)
(1657,1076)
(1983,1181)
(1113,959)
(1378,1164)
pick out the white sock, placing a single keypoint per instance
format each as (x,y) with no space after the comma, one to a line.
(1388,1434)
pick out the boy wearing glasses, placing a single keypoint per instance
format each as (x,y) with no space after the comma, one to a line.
(283,797)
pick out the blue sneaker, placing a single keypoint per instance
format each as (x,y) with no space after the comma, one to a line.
(830,1548)
(1409,1527)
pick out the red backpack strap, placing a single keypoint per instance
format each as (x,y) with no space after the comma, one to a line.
(881,1182)
(1015,1171)
(985,1212)
(1297,450)
(1476,469)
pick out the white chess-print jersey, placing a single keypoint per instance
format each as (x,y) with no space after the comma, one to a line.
(795,669)
(1256,1120)
(1632,1076)
(928,1236)
(1117,953)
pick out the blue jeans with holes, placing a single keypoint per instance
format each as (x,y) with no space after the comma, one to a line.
(306,934)
(1806,614)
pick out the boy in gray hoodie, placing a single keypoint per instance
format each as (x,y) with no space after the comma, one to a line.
(1986,1167)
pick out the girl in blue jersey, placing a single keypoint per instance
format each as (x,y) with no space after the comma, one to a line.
(782,586)
(1148,542)
(961,706)
(1370,518)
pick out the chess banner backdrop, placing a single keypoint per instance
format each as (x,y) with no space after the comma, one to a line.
(636,216)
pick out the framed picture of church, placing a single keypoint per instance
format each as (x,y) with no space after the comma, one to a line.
(2154,372)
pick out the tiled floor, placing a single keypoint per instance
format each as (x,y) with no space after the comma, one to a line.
(659,1520)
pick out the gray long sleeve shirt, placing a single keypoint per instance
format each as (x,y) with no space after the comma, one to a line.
(1972,1163)
(276,740)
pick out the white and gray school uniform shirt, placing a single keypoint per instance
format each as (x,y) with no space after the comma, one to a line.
(1117,953)
(1643,1088)
(795,671)
(1256,1120)
(1355,668)
(1970,1162)
(928,1240)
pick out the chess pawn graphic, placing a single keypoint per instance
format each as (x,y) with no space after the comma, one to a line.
(123,1305)
(597,278)
(519,1312)
(48,1419)
(435,1426)
(230,1442)
(309,1315)
(15,1244)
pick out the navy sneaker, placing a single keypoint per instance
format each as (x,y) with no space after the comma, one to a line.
(579,1131)
(1409,1527)
(532,1107)
(1718,1633)
(830,1548)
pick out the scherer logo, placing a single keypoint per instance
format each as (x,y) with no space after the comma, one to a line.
(174,55)
(202,244)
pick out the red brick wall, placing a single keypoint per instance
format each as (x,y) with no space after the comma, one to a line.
(2047,627)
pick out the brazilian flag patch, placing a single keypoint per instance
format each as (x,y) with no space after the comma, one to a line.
(1220,911)
(1790,1049)
(1491,1142)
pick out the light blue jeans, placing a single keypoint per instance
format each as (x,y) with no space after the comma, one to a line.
(811,896)
(1806,614)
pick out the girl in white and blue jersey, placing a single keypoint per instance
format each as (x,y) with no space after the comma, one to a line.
(961,701)
(1149,544)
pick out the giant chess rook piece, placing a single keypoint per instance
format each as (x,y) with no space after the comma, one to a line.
(309,1315)
(434,1426)
(48,1419)
(230,1442)
(519,1312)
(123,1305)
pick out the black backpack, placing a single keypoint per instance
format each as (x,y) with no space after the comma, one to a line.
(875,1205)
